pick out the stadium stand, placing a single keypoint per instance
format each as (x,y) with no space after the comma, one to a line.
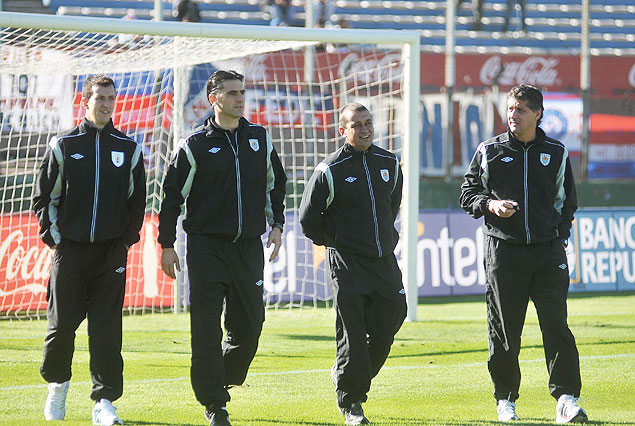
(552,26)
(25,6)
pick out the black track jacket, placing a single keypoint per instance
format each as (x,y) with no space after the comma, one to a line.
(537,176)
(229,184)
(91,187)
(352,200)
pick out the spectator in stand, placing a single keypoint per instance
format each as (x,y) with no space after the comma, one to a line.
(511,5)
(477,10)
(280,11)
(186,11)
(323,13)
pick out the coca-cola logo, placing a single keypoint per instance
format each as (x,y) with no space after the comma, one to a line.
(534,70)
(25,263)
(631,76)
(372,69)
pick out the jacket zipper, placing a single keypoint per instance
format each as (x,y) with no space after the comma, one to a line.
(526,185)
(96,194)
(372,200)
(238,191)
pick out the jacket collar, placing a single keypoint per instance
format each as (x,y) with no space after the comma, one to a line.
(211,128)
(86,127)
(540,137)
(349,149)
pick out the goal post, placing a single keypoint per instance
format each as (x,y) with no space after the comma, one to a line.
(160,69)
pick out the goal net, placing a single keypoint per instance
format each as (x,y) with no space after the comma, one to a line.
(296,82)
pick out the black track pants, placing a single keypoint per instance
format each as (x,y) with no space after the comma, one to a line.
(222,271)
(86,281)
(370,308)
(516,273)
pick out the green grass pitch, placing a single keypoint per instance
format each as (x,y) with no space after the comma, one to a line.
(435,375)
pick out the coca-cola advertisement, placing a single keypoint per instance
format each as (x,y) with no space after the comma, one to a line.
(25,262)
(552,73)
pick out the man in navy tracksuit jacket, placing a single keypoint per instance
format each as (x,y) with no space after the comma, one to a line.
(350,205)
(89,198)
(522,182)
(230,178)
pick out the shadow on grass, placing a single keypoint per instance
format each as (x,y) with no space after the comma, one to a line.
(524,347)
(313,338)
(393,421)
(141,423)
(467,351)
(288,422)
(440,300)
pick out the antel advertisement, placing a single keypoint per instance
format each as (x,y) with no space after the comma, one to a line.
(601,257)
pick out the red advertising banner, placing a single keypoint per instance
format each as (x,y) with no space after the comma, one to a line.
(25,262)
(133,113)
(550,73)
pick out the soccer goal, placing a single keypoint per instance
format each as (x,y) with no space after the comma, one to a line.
(296,80)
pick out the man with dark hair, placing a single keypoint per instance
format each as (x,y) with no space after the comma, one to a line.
(477,11)
(187,11)
(89,198)
(511,6)
(350,206)
(522,182)
(230,178)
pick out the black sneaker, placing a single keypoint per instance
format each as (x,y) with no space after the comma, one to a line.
(217,416)
(355,415)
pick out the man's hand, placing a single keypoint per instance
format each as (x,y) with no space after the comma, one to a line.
(275,237)
(502,208)
(169,261)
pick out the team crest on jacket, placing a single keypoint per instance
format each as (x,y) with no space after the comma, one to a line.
(545,158)
(117,158)
(253,143)
(385,174)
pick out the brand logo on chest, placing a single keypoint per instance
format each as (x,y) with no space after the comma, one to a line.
(254,144)
(385,174)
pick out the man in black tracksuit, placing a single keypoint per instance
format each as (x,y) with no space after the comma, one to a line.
(350,205)
(522,182)
(90,202)
(230,178)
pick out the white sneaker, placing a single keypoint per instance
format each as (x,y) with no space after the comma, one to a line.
(104,414)
(355,415)
(568,410)
(506,411)
(55,405)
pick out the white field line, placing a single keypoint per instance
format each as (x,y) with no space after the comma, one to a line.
(293,372)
